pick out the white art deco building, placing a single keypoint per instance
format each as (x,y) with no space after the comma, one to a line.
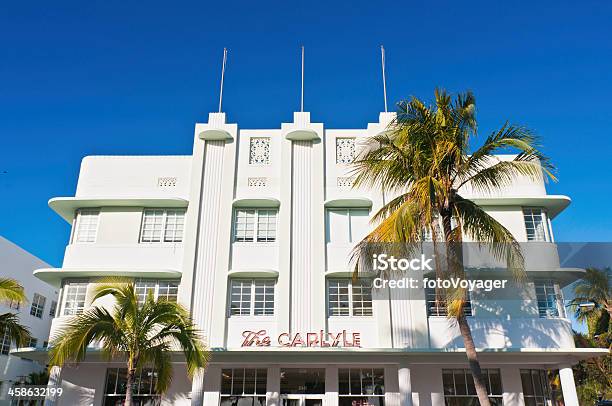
(252,233)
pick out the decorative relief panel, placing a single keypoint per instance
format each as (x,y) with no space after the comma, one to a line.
(257,182)
(345,150)
(345,181)
(166,182)
(259,151)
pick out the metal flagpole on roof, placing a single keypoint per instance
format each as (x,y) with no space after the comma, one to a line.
(222,78)
(302,94)
(384,79)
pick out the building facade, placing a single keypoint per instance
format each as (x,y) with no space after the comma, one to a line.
(252,233)
(36,314)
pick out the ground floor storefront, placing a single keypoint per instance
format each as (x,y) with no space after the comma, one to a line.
(347,378)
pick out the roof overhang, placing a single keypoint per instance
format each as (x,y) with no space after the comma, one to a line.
(66,206)
(446,356)
(54,276)
(554,204)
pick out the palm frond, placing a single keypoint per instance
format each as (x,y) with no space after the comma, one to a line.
(11,291)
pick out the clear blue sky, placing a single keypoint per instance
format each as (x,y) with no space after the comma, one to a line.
(83,78)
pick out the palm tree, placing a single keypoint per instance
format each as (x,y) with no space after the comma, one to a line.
(593,299)
(144,334)
(12,292)
(424,157)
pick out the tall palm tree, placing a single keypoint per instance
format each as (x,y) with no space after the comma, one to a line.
(593,298)
(144,334)
(424,156)
(12,292)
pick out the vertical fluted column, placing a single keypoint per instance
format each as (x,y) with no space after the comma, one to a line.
(301,236)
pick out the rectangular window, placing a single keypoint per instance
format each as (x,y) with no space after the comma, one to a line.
(348,298)
(243,386)
(536,224)
(252,225)
(86,225)
(32,342)
(74,293)
(459,386)
(144,387)
(361,386)
(52,308)
(161,289)
(438,307)
(296,381)
(5,344)
(547,298)
(162,225)
(251,297)
(347,225)
(536,390)
(38,305)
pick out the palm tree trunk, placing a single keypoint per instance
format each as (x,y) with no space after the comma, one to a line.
(456,269)
(131,372)
(470,351)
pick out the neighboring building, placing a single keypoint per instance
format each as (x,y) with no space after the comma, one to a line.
(252,233)
(36,314)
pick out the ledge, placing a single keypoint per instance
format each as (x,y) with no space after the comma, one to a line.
(348,274)
(66,206)
(256,202)
(302,134)
(54,276)
(554,204)
(363,202)
(215,134)
(254,273)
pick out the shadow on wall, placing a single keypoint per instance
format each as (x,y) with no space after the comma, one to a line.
(516,333)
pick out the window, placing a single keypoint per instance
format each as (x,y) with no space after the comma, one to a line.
(5,343)
(86,225)
(52,308)
(295,381)
(32,342)
(547,298)
(361,386)
(345,150)
(161,289)
(74,293)
(243,386)
(536,390)
(38,305)
(459,387)
(438,307)
(259,151)
(162,225)
(346,298)
(251,297)
(144,387)
(536,224)
(347,225)
(252,225)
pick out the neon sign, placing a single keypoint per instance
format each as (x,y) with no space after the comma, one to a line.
(309,339)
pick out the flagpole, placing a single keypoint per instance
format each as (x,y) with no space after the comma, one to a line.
(302,94)
(222,78)
(384,78)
